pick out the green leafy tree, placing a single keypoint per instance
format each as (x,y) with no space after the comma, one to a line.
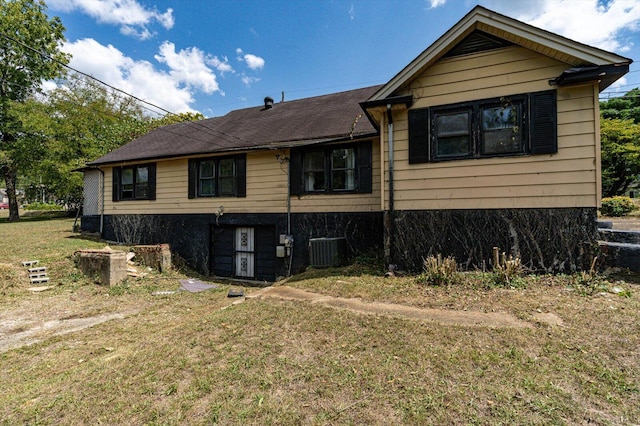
(620,151)
(82,121)
(175,119)
(626,107)
(29,53)
(77,123)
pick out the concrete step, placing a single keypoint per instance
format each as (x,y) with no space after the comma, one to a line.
(619,236)
(35,280)
(605,224)
(29,263)
(37,269)
(37,275)
(621,255)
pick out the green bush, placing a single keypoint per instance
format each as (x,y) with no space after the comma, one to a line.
(43,206)
(617,206)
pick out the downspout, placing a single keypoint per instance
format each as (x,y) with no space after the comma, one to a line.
(391,207)
(289,212)
(102,202)
(288,194)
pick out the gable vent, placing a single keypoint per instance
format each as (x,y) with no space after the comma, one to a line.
(475,42)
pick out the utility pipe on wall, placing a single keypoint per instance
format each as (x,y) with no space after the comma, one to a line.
(391,207)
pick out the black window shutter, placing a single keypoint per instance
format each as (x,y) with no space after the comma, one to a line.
(152,181)
(543,123)
(364,167)
(241,175)
(418,136)
(193,177)
(115,190)
(296,186)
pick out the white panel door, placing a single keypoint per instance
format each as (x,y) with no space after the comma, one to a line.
(245,252)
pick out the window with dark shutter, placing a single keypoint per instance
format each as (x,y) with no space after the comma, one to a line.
(136,182)
(498,127)
(217,177)
(331,169)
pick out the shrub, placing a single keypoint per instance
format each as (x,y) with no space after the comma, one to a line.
(507,271)
(43,206)
(617,206)
(438,271)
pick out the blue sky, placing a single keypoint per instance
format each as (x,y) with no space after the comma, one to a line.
(214,56)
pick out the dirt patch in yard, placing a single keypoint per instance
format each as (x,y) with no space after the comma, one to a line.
(441,316)
(19,332)
(25,325)
(44,315)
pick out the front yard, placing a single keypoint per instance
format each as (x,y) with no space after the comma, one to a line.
(145,353)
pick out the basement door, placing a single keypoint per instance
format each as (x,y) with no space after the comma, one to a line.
(245,253)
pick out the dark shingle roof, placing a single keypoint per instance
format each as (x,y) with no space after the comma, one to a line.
(323,118)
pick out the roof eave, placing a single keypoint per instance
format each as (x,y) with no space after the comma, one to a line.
(264,147)
(366,106)
(605,75)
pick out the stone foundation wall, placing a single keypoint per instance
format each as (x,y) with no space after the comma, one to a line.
(549,240)
(189,234)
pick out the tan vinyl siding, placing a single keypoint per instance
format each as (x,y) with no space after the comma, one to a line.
(566,179)
(266,192)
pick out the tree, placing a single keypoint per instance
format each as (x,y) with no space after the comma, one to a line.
(175,119)
(29,53)
(620,150)
(79,122)
(626,107)
(73,125)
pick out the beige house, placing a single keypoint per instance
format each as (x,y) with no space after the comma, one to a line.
(489,138)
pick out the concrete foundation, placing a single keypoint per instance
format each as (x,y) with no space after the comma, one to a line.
(108,267)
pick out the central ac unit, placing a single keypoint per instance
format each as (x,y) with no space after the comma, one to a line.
(326,252)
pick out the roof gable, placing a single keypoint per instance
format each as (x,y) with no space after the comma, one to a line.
(482,28)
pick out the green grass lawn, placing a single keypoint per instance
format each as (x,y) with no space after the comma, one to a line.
(197,358)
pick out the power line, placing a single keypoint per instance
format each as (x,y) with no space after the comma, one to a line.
(207,129)
(44,55)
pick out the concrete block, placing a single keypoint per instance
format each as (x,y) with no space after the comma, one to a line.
(109,267)
(621,255)
(156,256)
(619,236)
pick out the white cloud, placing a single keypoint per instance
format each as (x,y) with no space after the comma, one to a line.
(132,17)
(435,3)
(248,80)
(173,90)
(253,62)
(188,66)
(352,12)
(222,65)
(587,21)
